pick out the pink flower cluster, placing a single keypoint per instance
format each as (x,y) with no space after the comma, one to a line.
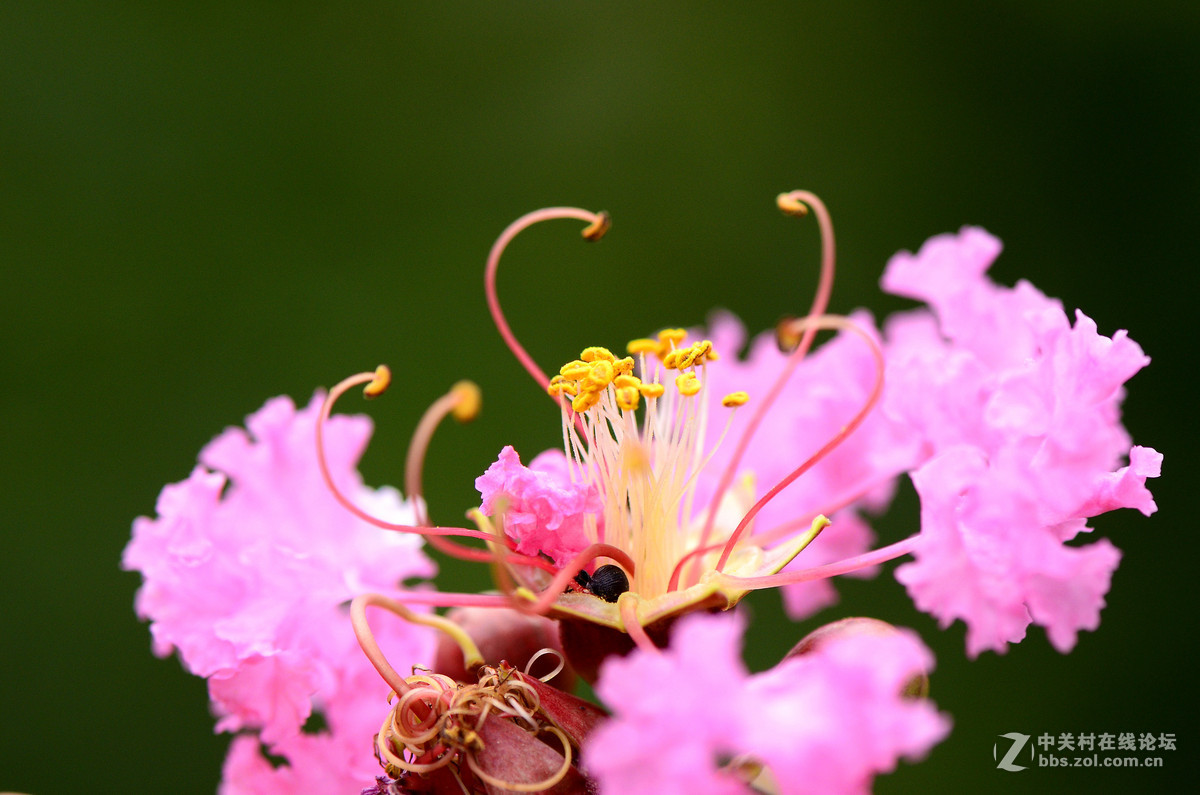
(247,569)
(825,722)
(544,511)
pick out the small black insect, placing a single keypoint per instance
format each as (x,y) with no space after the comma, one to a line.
(609,582)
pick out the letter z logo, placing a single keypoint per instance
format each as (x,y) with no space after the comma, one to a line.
(1018,742)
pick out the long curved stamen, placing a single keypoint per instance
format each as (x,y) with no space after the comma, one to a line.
(376,383)
(866,560)
(463,401)
(598,224)
(838,438)
(794,203)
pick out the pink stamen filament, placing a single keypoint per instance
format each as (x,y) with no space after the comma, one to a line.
(866,560)
(414,487)
(628,608)
(820,302)
(803,523)
(788,528)
(414,462)
(596,221)
(326,408)
(847,429)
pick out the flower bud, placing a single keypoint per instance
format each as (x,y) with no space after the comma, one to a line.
(917,687)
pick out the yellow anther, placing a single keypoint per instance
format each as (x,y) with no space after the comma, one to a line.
(686,357)
(671,358)
(652,390)
(623,366)
(735,399)
(596,354)
(786,336)
(599,376)
(642,345)
(624,380)
(560,386)
(585,401)
(628,397)
(470,401)
(575,370)
(596,229)
(791,205)
(672,336)
(687,384)
(379,384)
(704,351)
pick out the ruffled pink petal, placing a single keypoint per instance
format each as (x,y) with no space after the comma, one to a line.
(675,715)
(855,724)
(545,512)
(1126,488)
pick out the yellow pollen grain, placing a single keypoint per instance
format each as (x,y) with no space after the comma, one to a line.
(735,399)
(596,354)
(379,384)
(470,401)
(652,390)
(575,370)
(687,384)
(642,345)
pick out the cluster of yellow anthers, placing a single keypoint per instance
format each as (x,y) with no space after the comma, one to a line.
(586,379)
(440,723)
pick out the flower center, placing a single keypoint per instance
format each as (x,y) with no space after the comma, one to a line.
(645,471)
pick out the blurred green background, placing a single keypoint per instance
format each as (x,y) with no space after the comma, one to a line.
(206,204)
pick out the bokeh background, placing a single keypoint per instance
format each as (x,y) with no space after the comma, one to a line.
(203,205)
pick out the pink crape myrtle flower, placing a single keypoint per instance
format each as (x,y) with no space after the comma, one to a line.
(825,722)
(1018,414)
(246,571)
(688,477)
